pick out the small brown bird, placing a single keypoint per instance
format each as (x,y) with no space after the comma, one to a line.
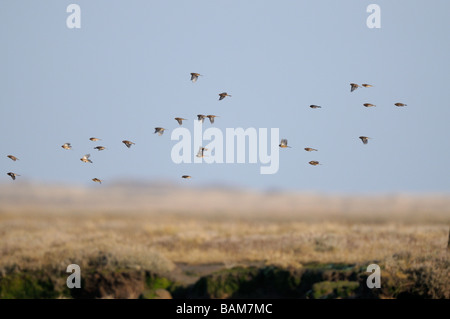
(128,143)
(368,105)
(180,120)
(315,106)
(314,163)
(159,130)
(309,149)
(13,157)
(13,175)
(201,151)
(194,77)
(364,139)
(283,143)
(400,104)
(66,146)
(86,159)
(223,95)
(97,180)
(94,139)
(367,85)
(100,148)
(201,118)
(186,176)
(211,118)
(353,86)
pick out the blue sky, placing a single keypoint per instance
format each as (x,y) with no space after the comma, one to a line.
(127,70)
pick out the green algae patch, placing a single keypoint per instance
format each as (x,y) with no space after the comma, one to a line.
(334,290)
(27,285)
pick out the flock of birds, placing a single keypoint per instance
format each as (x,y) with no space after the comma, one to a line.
(364,139)
(201,118)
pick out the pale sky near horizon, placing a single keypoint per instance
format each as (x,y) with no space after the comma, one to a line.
(127,71)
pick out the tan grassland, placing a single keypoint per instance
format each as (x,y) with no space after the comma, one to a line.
(158,227)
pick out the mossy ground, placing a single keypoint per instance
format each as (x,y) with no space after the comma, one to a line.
(334,289)
(27,285)
(313,280)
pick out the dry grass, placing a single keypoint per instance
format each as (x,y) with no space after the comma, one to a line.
(36,242)
(157,242)
(407,240)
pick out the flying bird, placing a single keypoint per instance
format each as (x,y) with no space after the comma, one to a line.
(66,146)
(13,157)
(315,106)
(283,143)
(353,86)
(367,85)
(211,118)
(100,148)
(13,175)
(86,159)
(186,176)
(201,151)
(400,104)
(94,139)
(97,180)
(194,77)
(180,120)
(223,95)
(201,118)
(368,105)
(159,130)
(364,139)
(128,143)
(309,149)
(314,163)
